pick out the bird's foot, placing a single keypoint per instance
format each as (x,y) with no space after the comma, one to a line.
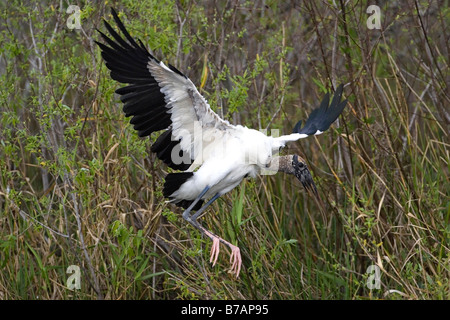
(215,250)
(235,258)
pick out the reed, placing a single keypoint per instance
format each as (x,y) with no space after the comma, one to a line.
(78,187)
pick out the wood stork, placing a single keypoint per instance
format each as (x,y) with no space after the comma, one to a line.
(213,155)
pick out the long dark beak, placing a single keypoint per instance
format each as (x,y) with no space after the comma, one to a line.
(304,176)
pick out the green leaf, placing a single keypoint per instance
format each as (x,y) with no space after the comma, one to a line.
(148,276)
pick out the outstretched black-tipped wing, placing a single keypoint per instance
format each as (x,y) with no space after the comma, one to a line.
(322,118)
(128,62)
(157,96)
(319,120)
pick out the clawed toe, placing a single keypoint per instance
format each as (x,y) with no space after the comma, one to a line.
(235,258)
(215,251)
(236,261)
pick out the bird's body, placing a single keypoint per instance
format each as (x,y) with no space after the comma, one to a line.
(224,164)
(213,155)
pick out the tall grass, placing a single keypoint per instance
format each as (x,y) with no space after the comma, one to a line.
(78,187)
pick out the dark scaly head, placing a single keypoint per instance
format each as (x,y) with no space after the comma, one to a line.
(295,165)
(300,170)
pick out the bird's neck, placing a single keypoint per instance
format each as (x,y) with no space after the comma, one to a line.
(282,164)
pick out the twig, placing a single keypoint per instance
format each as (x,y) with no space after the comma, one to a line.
(26,216)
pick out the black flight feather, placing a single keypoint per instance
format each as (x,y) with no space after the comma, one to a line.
(322,117)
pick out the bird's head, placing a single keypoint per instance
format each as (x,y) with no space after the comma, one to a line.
(301,172)
(296,165)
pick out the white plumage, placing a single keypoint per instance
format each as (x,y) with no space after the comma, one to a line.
(213,155)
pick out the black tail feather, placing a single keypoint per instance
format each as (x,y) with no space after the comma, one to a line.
(173,182)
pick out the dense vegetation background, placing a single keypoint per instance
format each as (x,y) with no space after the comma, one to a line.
(78,187)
